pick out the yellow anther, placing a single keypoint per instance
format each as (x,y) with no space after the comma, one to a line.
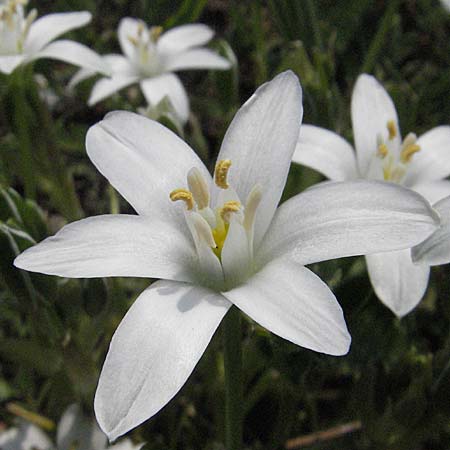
(228,208)
(221,172)
(140,29)
(184,195)
(382,151)
(155,33)
(408,152)
(392,129)
(133,40)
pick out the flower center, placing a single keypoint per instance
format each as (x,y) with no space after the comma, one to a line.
(145,50)
(14,26)
(394,156)
(210,226)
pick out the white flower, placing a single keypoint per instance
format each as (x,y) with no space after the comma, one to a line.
(421,164)
(435,250)
(225,242)
(74,432)
(446,4)
(150,57)
(23,38)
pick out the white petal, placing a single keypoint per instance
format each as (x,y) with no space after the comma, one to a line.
(9,63)
(337,219)
(436,249)
(113,245)
(153,352)
(144,161)
(183,37)
(25,437)
(73,53)
(167,85)
(398,283)
(294,303)
(432,162)
(260,143)
(117,64)
(106,87)
(128,27)
(49,27)
(196,58)
(77,431)
(433,191)
(371,108)
(327,152)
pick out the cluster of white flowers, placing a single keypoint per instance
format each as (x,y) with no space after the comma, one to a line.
(221,240)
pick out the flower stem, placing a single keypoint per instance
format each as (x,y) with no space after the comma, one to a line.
(233,379)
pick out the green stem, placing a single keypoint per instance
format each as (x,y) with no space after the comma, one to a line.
(63,189)
(20,120)
(378,42)
(233,379)
(315,24)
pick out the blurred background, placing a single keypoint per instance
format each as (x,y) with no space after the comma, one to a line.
(391,392)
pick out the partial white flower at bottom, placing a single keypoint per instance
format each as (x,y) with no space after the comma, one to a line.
(418,163)
(435,250)
(216,242)
(74,432)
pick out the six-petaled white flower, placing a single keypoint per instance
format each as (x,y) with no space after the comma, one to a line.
(74,432)
(151,57)
(23,38)
(218,241)
(421,164)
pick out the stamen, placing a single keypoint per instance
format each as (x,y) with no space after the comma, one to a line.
(203,230)
(221,172)
(382,151)
(392,129)
(408,152)
(228,208)
(253,201)
(199,188)
(133,40)
(155,33)
(184,195)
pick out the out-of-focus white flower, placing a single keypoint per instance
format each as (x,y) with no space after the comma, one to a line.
(225,242)
(446,4)
(74,432)
(24,38)
(421,164)
(150,57)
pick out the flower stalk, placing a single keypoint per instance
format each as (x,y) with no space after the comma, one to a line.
(233,379)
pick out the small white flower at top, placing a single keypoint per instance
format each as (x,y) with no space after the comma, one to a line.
(150,56)
(218,241)
(421,164)
(25,38)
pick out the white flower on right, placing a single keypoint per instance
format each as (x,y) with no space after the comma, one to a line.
(421,164)
(24,39)
(150,57)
